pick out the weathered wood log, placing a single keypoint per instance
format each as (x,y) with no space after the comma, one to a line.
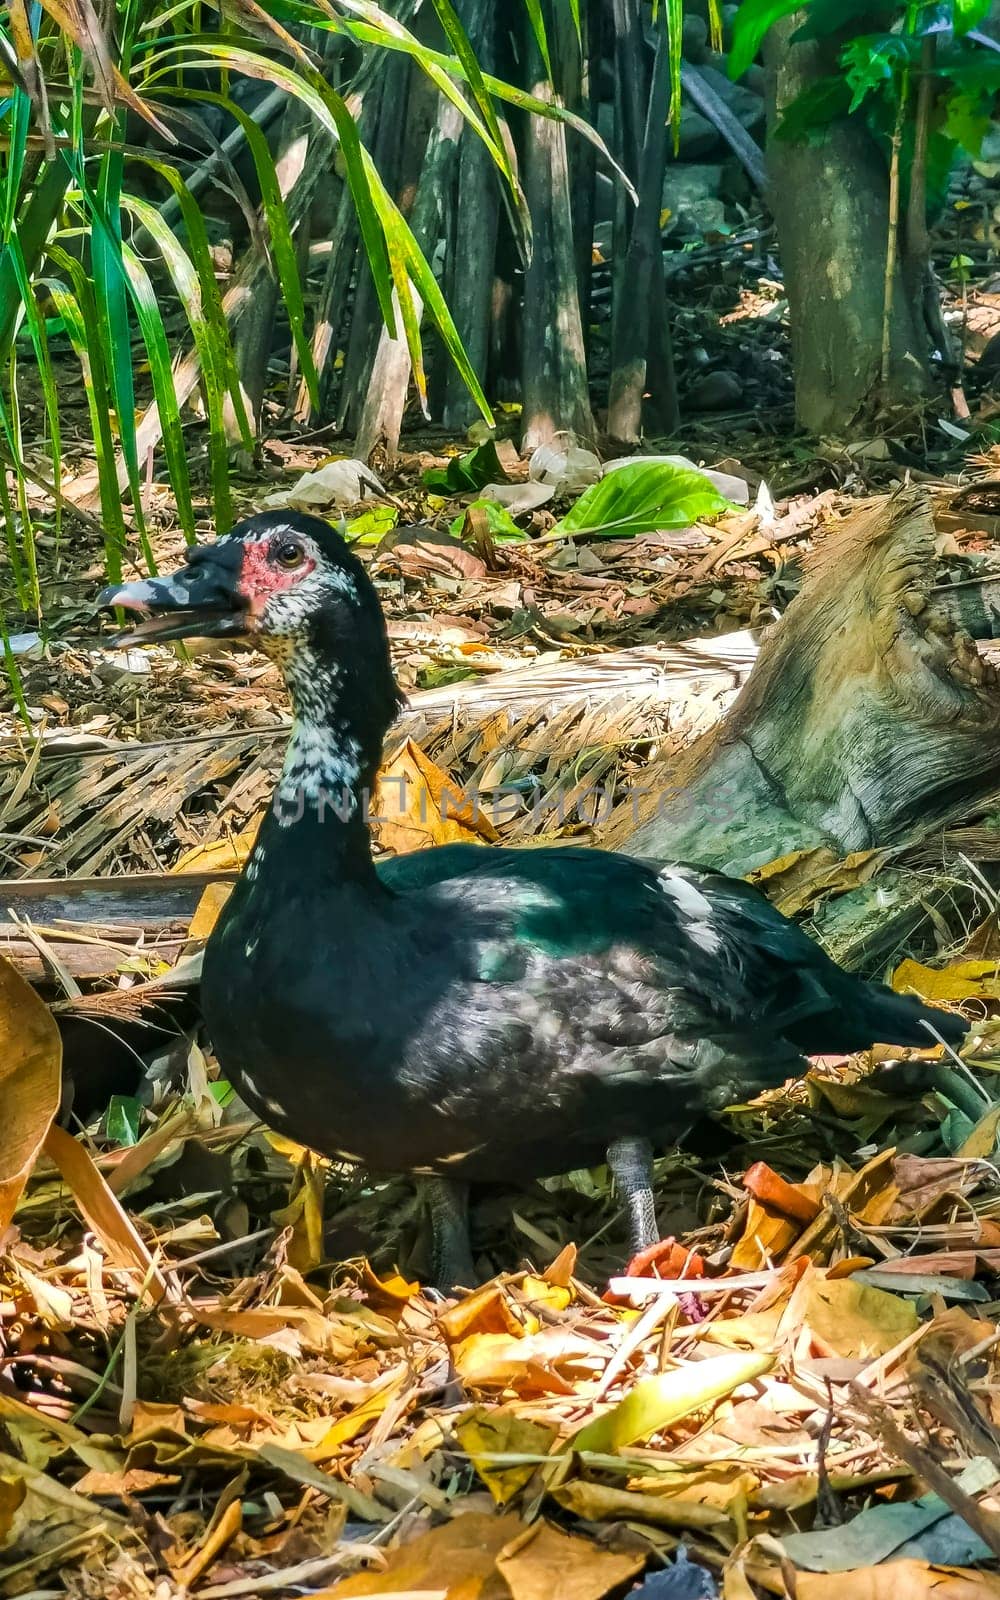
(870,718)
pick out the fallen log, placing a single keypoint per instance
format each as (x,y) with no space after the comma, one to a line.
(871,718)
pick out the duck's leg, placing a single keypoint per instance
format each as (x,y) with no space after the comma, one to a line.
(631,1163)
(448,1204)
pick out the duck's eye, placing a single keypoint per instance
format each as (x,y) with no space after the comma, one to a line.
(289,554)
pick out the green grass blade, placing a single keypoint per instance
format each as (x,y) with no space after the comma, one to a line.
(332,113)
(211,300)
(158,350)
(35,323)
(280,234)
(535,17)
(213,359)
(77,309)
(23,503)
(459,41)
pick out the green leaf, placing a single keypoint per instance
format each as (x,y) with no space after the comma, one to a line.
(371,526)
(967,121)
(750,25)
(830,16)
(871,62)
(967,13)
(213,359)
(537,21)
(500,523)
(806,118)
(641,498)
(124,1119)
(471,471)
(660,1402)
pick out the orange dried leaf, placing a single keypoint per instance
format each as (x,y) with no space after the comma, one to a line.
(765,1185)
(898,1580)
(417,805)
(30,1072)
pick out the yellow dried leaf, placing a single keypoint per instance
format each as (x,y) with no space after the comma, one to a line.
(456,1560)
(855,1320)
(966,980)
(599,1502)
(417,805)
(213,898)
(30,1073)
(221,855)
(765,1238)
(347,1428)
(484,1434)
(795,881)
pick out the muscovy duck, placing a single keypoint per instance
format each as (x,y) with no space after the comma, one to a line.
(466,1012)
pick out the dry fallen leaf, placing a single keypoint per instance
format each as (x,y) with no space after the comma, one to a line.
(457,1560)
(852,1319)
(963,981)
(547,1564)
(484,1434)
(898,1580)
(30,1070)
(418,805)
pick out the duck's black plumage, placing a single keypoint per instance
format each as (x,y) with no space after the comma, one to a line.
(473,1013)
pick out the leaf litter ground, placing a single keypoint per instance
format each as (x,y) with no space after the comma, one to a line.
(220,1372)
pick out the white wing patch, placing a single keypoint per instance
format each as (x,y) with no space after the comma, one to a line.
(695,908)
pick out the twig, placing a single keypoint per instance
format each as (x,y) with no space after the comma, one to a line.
(927,1467)
(892,241)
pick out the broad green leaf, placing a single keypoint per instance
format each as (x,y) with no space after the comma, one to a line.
(660,1402)
(371,526)
(967,14)
(872,62)
(471,471)
(641,498)
(750,25)
(499,522)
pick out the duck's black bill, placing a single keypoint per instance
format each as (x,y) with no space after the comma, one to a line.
(199,601)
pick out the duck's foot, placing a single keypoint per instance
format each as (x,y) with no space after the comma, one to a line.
(448,1203)
(631,1163)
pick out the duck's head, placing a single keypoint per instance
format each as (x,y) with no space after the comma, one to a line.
(287,583)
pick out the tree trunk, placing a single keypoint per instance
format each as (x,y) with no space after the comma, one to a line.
(640,324)
(831,204)
(554,390)
(869,718)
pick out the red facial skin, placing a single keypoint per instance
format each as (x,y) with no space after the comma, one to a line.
(260,577)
